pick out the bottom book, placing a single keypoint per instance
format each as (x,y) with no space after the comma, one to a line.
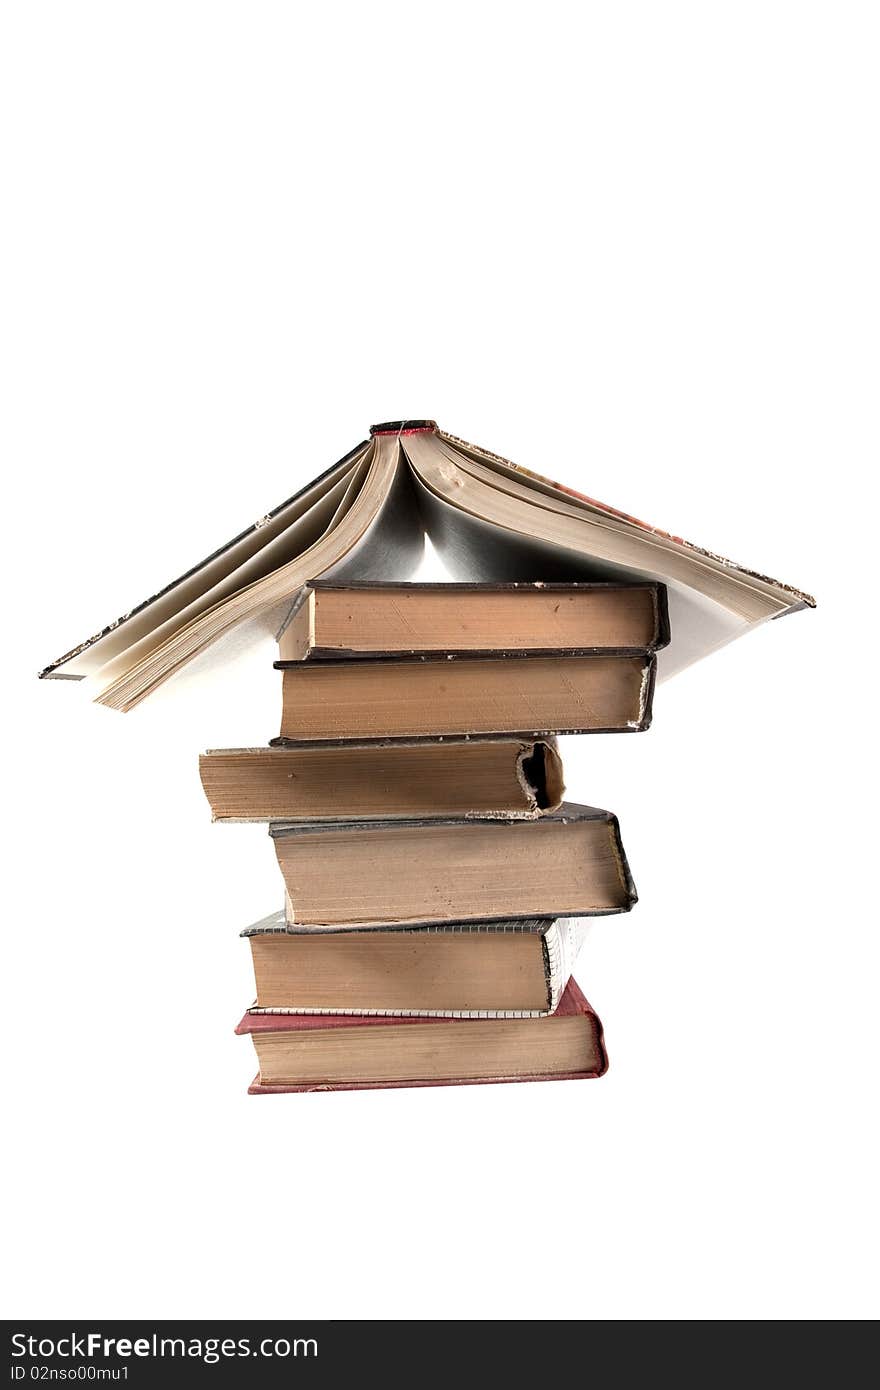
(335,1052)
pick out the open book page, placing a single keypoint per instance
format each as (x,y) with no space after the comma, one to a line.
(379,535)
(470,547)
(130,628)
(366,519)
(483,528)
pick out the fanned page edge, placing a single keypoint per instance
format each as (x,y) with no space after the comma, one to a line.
(53,670)
(130,688)
(377,533)
(479,537)
(800,599)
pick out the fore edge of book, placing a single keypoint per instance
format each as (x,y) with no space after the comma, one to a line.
(657,589)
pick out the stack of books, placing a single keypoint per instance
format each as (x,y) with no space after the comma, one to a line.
(436,882)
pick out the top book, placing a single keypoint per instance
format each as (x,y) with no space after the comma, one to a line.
(350,621)
(366,519)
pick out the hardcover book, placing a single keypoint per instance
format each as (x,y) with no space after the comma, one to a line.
(569,863)
(346,621)
(440,697)
(515,968)
(320,1052)
(513,778)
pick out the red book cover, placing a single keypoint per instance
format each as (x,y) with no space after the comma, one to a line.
(571,1004)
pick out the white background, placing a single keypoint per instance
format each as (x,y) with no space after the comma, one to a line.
(635,247)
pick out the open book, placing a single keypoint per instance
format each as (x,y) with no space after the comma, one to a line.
(366,518)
